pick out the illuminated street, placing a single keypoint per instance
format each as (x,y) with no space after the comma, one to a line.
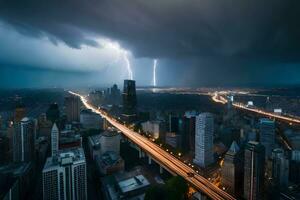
(163,157)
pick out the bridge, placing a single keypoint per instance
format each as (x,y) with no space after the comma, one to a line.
(162,157)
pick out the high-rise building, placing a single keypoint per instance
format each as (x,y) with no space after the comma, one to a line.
(280,167)
(54,140)
(189,130)
(53,112)
(90,120)
(64,176)
(72,104)
(23,140)
(254,161)
(204,140)
(173,123)
(20,113)
(267,135)
(129,101)
(232,171)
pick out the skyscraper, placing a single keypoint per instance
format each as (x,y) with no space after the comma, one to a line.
(232,171)
(23,140)
(204,140)
(73,104)
(20,112)
(254,171)
(129,100)
(189,129)
(64,176)
(280,167)
(267,135)
(54,140)
(53,113)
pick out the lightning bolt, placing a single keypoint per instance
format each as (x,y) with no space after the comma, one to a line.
(128,65)
(154,72)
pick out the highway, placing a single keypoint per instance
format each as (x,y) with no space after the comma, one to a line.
(163,157)
(220,99)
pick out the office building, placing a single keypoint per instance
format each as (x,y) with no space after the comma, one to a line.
(280,167)
(20,113)
(73,104)
(44,126)
(173,123)
(189,130)
(173,139)
(54,140)
(69,139)
(231,171)
(107,141)
(109,162)
(129,101)
(90,120)
(154,128)
(204,140)
(53,112)
(294,172)
(23,140)
(254,161)
(64,176)
(267,135)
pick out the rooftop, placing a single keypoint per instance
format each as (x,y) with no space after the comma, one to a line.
(65,157)
(133,183)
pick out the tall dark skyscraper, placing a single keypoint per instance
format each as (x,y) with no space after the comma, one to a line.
(129,101)
(267,135)
(254,171)
(20,112)
(53,113)
(72,104)
(232,171)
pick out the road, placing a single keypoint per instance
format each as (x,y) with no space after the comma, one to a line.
(163,157)
(220,99)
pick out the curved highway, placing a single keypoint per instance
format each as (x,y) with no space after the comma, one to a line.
(164,158)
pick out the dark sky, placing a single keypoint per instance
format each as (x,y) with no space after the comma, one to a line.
(197,42)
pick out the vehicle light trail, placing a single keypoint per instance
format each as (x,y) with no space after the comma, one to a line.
(220,99)
(162,157)
(154,72)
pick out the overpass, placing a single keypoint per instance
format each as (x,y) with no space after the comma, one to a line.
(163,158)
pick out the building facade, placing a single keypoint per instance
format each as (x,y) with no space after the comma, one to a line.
(64,176)
(267,135)
(72,104)
(254,161)
(204,140)
(54,140)
(23,140)
(129,101)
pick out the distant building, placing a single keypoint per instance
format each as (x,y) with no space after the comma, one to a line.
(173,139)
(44,126)
(155,128)
(254,161)
(267,135)
(64,176)
(189,129)
(173,123)
(129,101)
(110,162)
(90,120)
(204,140)
(280,167)
(53,112)
(54,140)
(20,113)
(23,140)
(72,104)
(69,139)
(232,172)
(294,172)
(107,141)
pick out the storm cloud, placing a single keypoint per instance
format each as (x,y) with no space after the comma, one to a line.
(244,34)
